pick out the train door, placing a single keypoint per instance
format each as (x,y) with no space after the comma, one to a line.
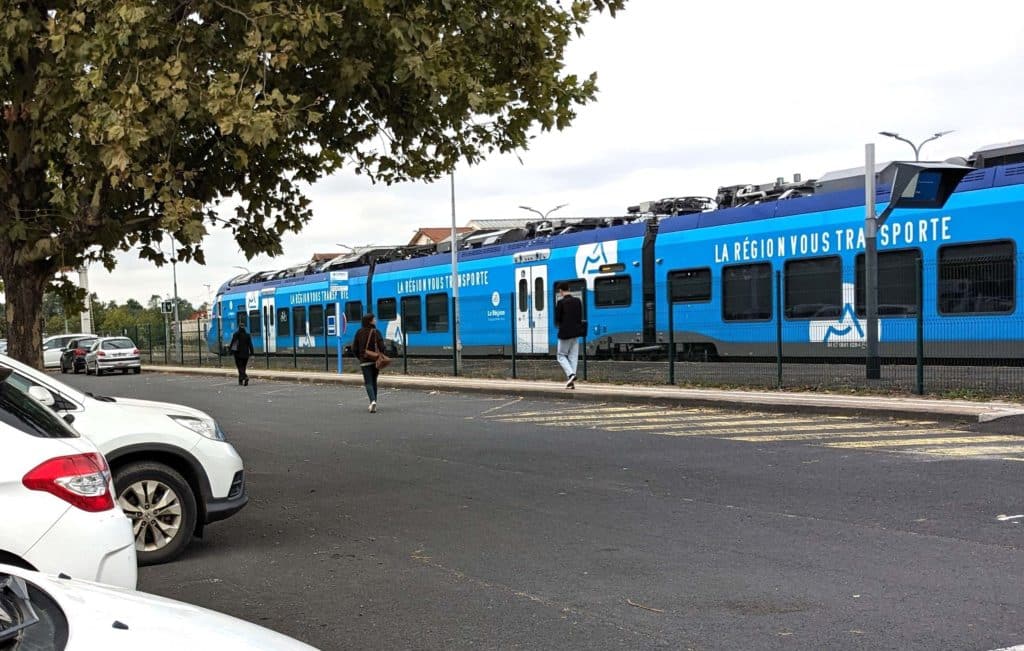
(532,304)
(269,324)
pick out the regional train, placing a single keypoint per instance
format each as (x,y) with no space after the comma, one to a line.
(732,274)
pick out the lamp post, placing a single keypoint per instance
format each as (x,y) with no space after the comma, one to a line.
(917,147)
(177,317)
(455,285)
(544,215)
(914,185)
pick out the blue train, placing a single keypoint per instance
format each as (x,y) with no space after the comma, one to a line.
(727,268)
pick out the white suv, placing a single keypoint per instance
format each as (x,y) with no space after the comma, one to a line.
(173,471)
(58,511)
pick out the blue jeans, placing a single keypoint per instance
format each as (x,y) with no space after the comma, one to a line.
(568,355)
(370,374)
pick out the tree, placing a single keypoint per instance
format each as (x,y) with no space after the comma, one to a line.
(128,122)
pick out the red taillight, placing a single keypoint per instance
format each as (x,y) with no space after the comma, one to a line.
(100,353)
(135,351)
(80,352)
(82,480)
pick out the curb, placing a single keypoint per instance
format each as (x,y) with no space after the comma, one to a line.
(984,415)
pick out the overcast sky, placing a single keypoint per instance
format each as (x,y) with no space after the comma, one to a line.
(693,96)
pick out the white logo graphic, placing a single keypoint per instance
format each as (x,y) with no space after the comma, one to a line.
(394,329)
(495,299)
(252,301)
(846,331)
(590,257)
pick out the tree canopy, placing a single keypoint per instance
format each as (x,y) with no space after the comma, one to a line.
(126,123)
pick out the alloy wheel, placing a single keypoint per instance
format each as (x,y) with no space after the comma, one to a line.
(155,511)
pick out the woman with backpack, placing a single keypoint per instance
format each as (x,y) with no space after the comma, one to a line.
(368,347)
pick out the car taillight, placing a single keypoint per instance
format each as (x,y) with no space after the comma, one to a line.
(135,351)
(79,352)
(82,480)
(100,353)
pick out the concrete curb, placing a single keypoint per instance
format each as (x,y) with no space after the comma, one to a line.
(961,411)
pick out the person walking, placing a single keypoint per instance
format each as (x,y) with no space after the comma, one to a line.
(569,321)
(241,348)
(368,348)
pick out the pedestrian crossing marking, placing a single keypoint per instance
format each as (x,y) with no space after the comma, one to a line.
(839,432)
(951,440)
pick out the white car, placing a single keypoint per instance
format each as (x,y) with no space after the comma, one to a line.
(173,471)
(45,612)
(112,354)
(54,346)
(58,512)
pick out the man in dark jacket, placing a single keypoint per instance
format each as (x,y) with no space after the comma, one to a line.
(569,321)
(241,348)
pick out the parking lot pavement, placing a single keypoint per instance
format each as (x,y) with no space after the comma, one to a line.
(459,521)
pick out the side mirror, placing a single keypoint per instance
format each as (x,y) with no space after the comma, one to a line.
(69,418)
(42,395)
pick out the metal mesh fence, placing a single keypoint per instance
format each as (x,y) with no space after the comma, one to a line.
(947,327)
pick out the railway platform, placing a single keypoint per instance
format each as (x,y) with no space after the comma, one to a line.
(1002,416)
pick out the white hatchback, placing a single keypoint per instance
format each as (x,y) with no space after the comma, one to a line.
(45,612)
(58,510)
(54,346)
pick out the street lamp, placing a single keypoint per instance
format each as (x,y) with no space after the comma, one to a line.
(916,148)
(544,215)
(914,185)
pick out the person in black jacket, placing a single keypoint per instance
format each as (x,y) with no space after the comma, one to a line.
(241,348)
(569,321)
(367,346)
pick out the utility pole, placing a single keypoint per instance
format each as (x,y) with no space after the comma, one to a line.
(455,282)
(177,318)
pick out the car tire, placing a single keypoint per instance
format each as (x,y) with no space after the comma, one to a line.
(136,371)
(134,484)
(74,369)
(63,369)
(87,371)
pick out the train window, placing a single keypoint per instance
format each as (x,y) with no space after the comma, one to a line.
(387,309)
(283,324)
(316,319)
(747,292)
(976,278)
(241,319)
(814,288)
(613,291)
(524,295)
(690,285)
(897,283)
(353,311)
(437,312)
(538,294)
(299,319)
(412,314)
(254,323)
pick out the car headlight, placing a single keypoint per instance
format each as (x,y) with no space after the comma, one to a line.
(204,427)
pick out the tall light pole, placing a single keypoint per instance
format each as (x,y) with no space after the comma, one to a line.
(544,215)
(917,147)
(177,317)
(455,285)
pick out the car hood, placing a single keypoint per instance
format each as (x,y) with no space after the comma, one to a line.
(148,622)
(151,406)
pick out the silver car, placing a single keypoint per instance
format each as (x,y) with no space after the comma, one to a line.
(113,354)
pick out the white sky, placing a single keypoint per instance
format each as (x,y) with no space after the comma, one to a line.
(693,96)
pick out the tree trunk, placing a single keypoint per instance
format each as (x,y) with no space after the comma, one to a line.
(24,288)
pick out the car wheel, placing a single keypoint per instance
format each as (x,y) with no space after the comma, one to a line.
(74,368)
(63,369)
(136,371)
(87,371)
(162,509)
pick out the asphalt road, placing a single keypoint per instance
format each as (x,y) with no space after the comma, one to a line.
(451,522)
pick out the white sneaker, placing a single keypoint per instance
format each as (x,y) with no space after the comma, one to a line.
(373,407)
(571,382)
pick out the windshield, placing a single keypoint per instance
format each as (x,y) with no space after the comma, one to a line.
(29,416)
(43,379)
(117,344)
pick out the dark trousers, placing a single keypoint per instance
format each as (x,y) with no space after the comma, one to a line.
(240,364)
(370,373)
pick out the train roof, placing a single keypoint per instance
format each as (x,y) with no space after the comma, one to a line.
(996,165)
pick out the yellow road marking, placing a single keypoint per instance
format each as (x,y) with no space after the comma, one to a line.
(577,410)
(952,440)
(748,427)
(972,451)
(597,415)
(769,438)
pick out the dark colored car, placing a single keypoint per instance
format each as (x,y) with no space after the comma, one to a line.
(72,358)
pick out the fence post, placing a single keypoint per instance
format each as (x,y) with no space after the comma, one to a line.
(919,388)
(199,340)
(167,339)
(149,337)
(405,349)
(515,341)
(455,340)
(671,341)
(220,340)
(778,329)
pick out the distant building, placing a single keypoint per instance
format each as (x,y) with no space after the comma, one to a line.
(435,235)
